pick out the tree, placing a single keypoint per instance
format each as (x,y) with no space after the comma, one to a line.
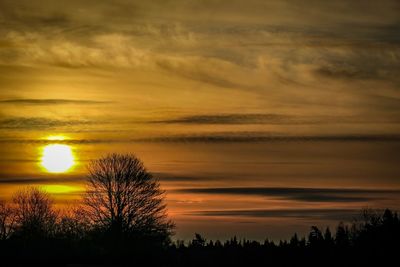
(198,241)
(315,237)
(34,213)
(328,237)
(342,238)
(294,241)
(124,200)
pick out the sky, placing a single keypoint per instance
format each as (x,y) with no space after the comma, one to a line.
(259,118)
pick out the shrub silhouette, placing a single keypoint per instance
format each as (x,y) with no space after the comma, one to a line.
(124,201)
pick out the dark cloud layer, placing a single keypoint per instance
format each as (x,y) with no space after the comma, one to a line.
(300,194)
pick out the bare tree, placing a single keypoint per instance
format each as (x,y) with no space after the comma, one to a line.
(124,198)
(7,220)
(34,213)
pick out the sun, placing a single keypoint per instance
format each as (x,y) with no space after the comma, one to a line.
(57,158)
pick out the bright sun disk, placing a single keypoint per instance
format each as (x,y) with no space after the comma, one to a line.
(57,158)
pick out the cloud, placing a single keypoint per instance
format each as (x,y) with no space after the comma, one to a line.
(170,177)
(300,194)
(360,64)
(279,119)
(4,179)
(345,72)
(322,214)
(226,137)
(37,123)
(210,70)
(105,49)
(240,48)
(268,58)
(66,141)
(26,101)
(233,119)
(237,137)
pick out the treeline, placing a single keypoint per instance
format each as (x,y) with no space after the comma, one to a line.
(31,230)
(122,219)
(371,240)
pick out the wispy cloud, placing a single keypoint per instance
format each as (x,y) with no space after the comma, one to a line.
(300,194)
(213,71)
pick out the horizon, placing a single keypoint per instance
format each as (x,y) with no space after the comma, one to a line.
(259,118)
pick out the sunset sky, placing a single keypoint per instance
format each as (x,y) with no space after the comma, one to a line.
(260,118)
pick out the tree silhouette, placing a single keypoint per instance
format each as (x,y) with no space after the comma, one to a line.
(34,213)
(315,238)
(124,200)
(328,239)
(198,241)
(294,241)
(342,238)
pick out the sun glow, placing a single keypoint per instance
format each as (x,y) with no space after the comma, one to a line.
(57,158)
(60,189)
(56,138)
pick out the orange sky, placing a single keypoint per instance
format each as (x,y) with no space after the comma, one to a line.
(294,106)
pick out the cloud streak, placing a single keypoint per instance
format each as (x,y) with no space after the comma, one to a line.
(226,137)
(170,177)
(300,194)
(233,119)
(244,137)
(4,179)
(320,214)
(275,119)
(37,123)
